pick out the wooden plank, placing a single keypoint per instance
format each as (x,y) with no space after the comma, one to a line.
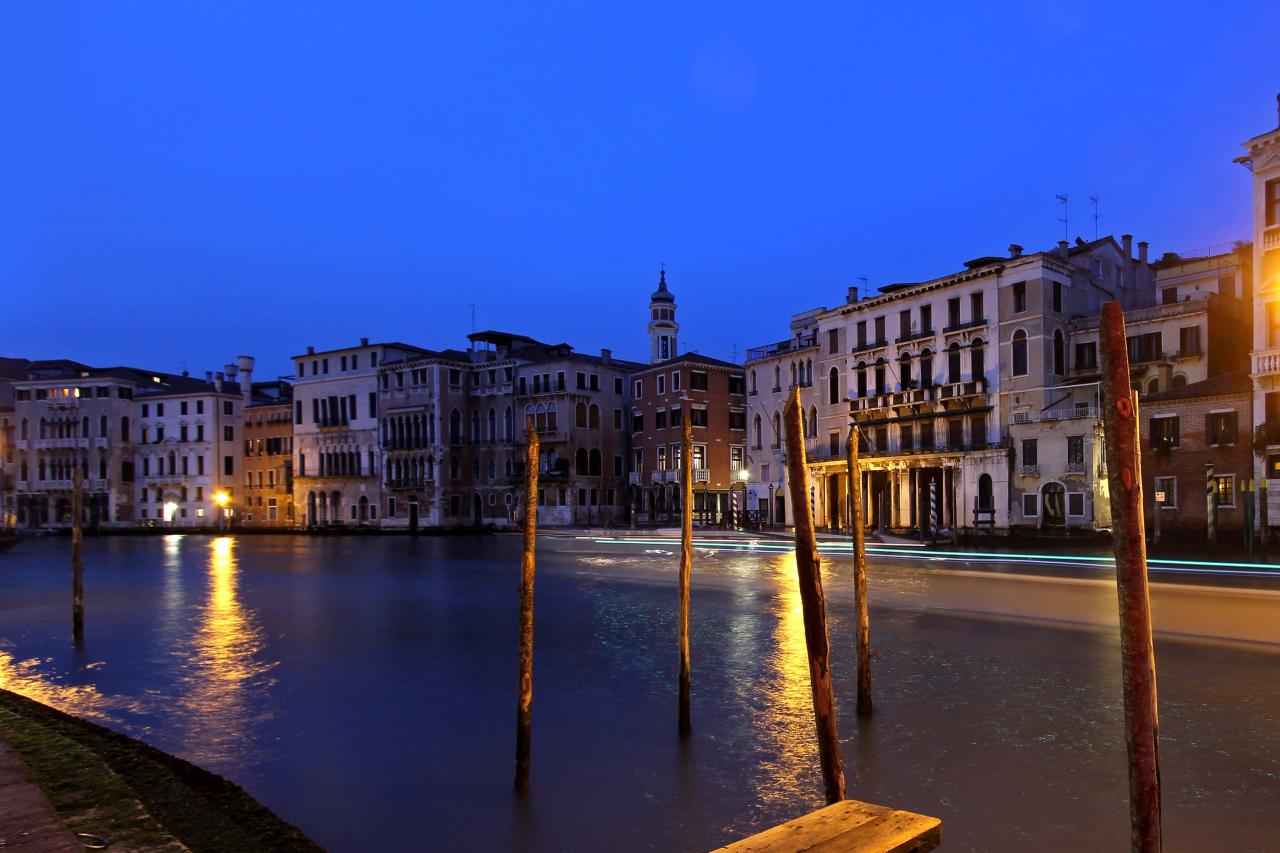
(848,825)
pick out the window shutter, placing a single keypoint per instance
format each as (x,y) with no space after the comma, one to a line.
(1210,436)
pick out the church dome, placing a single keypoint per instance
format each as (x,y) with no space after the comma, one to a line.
(662,294)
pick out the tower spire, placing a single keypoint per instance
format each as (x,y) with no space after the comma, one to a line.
(662,321)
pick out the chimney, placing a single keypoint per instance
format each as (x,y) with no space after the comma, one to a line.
(1278,110)
(218,375)
(1142,251)
(1126,241)
(1015,251)
(245,364)
(1063,249)
(208,376)
(230,369)
(606,356)
(311,350)
(364,342)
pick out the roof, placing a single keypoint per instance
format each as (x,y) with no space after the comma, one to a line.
(14,368)
(363,345)
(662,294)
(692,358)
(1225,384)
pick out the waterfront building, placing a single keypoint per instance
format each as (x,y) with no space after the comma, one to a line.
(955,383)
(11,370)
(1262,158)
(188,454)
(268,457)
(1197,455)
(337,461)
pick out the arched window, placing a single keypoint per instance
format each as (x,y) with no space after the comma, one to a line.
(593,416)
(977,360)
(455,427)
(777,378)
(508,426)
(1019,353)
(594,467)
(492,425)
(1059,353)
(882,386)
(541,418)
(777,430)
(1153,387)
(551,417)
(756,426)
(926,368)
(23,433)
(904,371)
(581,415)
(475,427)
(808,371)
(753,381)
(813,421)
(953,362)
(1179,381)
(862,379)
(84,427)
(833,386)
(793,373)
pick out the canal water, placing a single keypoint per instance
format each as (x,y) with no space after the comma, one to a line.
(364,689)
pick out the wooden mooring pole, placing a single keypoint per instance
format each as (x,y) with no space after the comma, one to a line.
(1138,662)
(863,643)
(524,700)
(686,568)
(77,559)
(808,568)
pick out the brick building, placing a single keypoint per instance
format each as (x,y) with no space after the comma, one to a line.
(268,456)
(1190,435)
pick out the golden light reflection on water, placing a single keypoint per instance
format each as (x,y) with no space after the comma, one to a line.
(28,678)
(221,684)
(786,726)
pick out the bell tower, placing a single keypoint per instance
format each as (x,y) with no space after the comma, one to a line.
(662,322)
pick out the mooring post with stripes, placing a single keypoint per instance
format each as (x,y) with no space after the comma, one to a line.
(933,509)
(1211,504)
(1137,651)
(524,698)
(813,605)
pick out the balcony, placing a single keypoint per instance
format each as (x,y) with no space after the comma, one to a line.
(1271,238)
(61,443)
(876,344)
(634,478)
(914,336)
(1076,468)
(955,390)
(701,475)
(1028,470)
(911,396)
(1076,414)
(1267,361)
(951,328)
(333,423)
(410,483)
(781,347)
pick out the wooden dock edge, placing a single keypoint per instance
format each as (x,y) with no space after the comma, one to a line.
(850,826)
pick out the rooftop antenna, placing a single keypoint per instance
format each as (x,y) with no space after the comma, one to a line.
(473,317)
(1094,199)
(1062,199)
(734,360)
(863,279)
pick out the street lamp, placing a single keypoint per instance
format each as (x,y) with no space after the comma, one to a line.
(221,498)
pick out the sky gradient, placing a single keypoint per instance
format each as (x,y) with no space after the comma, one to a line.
(188,182)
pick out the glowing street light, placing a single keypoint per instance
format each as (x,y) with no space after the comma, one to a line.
(221,498)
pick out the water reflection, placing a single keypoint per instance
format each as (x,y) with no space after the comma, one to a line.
(26,677)
(223,682)
(785,724)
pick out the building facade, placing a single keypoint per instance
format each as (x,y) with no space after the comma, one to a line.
(268,457)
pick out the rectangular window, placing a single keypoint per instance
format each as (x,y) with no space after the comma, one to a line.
(862,333)
(1057,297)
(662,458)
(200,465)
(1075,454)
(228,433)
(1030,451)
(182,407)
(698,416)
(581,380)
(1164,432)
(617,418)
(560,380)
(737,419)
(1189,341)
(617,467)
(953,312)
(926,319)
(1075,504)
(738,385)
(373,404)
(228,408)
(199,432)
(637,389)
(1220,428)
(1087,356)
(1030,506)
(228,465)
(1019,297)
(660,419)
(880,331)
(907,437)
(146,410)
(637,421)
(1146,347)
(455,378)
(1225,488)
(297,411)
(677,417)
(833,341)
(1167,486)
(904,324)
(833,444)
(662,384)
(617,385)
(697,380)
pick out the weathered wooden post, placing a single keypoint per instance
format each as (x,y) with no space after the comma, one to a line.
(686,567)
(863,643)
(1138,663)
(77,561)
(524,700)
(814,605)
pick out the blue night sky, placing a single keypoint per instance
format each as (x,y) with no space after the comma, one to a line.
(186,182)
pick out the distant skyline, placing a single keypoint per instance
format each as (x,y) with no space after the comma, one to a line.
(186,183)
